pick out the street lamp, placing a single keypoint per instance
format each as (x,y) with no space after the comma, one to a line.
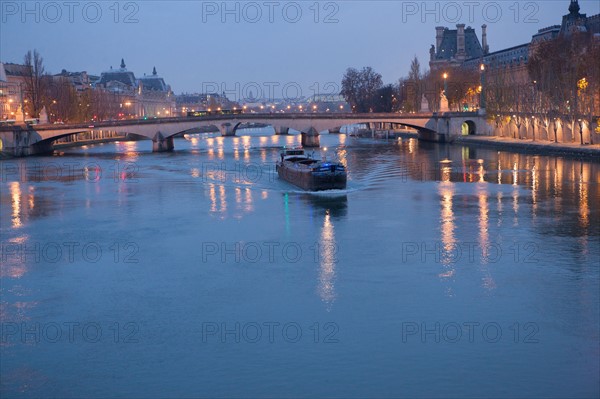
(482,94)
(445,85)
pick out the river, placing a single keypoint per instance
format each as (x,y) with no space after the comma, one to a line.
(442,271)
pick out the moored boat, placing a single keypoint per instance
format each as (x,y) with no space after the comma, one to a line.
(298,168)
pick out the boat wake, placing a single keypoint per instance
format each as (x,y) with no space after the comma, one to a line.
(325,193)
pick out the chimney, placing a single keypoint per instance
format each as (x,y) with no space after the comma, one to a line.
(460,41)
(439,36)
(484,44)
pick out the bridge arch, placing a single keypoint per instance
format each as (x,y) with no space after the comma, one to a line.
(47,143)
(468,128)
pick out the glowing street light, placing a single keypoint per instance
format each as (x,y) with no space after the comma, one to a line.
(482,91)
(445,84)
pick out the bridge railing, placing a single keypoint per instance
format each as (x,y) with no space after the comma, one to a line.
(372,117)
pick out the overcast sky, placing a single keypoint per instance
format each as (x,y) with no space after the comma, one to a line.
(270,45)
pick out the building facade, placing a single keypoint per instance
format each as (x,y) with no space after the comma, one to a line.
(12,89)
(80,81)
(148,96)
(460,47)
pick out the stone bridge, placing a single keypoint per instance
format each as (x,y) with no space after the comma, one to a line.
(38,139)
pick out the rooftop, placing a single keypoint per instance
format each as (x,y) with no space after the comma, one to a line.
(449,46)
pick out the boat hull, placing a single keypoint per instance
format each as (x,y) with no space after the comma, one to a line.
(312,180)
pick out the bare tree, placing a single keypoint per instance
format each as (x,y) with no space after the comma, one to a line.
(61,99)
(34,82)
(413,86)
(566,72)
(359,88)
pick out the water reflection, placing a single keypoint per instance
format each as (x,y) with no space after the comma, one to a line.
(223,202)
(15,192)
(243,201)
(334,205)
(13,263)
(543,192)
(484,239)
(584,210)
(130,149)
(447,227)
(327,258)
(537,181)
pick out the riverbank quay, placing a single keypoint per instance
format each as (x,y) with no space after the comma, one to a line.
(591,151)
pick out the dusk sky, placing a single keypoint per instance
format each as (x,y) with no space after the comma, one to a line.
(196,44)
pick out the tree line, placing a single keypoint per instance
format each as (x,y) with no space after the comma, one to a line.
(365,92)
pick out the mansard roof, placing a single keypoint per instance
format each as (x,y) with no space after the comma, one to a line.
(122,76)
(17,69)
(449,45)
(154,83)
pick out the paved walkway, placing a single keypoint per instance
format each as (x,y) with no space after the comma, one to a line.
(540,147)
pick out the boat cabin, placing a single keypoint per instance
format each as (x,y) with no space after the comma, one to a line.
(295,155)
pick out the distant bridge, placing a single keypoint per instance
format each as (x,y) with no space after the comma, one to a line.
(37,139)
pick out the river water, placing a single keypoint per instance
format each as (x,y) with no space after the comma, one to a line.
(442,271)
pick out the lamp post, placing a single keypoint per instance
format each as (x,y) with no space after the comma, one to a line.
(582,85)
(445,85)
(54,110)
(482,99)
